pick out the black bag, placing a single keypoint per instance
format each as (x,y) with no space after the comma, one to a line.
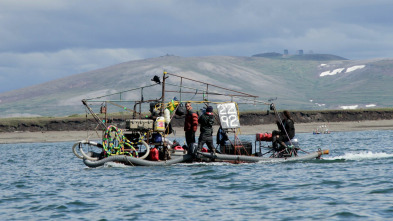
(221,137)
(181,110)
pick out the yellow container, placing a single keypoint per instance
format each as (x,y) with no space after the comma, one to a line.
(172,105)
(159,125)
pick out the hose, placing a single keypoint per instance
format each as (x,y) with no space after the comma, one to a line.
(85,156)
(114,141)
(80,147)
(147,149)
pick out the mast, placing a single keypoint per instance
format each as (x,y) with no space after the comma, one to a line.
(163,93)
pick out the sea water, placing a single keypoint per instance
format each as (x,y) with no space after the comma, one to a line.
(45,181)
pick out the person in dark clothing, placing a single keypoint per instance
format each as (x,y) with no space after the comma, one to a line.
(190,126)
(206,122)
(285,132)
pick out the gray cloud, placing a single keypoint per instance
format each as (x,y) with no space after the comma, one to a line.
(45,39)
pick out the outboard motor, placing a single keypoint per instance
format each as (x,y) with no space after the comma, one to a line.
(290,151)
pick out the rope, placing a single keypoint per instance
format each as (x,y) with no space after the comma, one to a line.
(87,128)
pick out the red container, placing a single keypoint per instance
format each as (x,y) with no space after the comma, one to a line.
(268,137)
(204,149)
(258,136)
(178,148)
(263,137)
(154,155)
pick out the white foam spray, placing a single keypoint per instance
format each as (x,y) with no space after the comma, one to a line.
(360,156)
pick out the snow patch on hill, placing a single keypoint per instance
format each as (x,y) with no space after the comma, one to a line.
(334,72)
(353,107)
(340,70)
(354,68)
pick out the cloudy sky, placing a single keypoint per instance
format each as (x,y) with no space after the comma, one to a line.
(42,40)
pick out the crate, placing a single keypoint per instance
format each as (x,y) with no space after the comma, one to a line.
(139,124)
(229,149)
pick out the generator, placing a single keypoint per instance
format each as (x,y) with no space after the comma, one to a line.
(139,124)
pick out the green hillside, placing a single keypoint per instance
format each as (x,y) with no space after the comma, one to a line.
(298,84)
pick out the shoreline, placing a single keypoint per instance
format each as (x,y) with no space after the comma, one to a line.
(69,136)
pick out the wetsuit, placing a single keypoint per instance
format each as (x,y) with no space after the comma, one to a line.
(289,126)
(206,132)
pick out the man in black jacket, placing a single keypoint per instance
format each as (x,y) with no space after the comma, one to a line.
(206,122)
(286,131)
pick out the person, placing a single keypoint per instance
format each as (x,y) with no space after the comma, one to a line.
(190,126)
(206,121)
(285,132)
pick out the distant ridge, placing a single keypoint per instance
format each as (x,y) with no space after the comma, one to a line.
(311,57)
(296,83)
(269,55)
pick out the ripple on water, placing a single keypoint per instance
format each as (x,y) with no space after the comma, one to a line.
(352,183)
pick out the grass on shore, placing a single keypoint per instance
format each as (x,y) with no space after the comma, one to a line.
(41,121)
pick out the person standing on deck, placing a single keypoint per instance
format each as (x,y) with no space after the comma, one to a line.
(190,127)
(206,122)
(285,132)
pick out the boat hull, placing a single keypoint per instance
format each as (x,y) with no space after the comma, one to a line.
(187,158)
(92,159)
(310,156)
(136,161)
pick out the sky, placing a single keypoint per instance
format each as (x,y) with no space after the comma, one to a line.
(43,40)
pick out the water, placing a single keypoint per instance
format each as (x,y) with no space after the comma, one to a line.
(45,181)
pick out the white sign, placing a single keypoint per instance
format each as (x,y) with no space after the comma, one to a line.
(228,116)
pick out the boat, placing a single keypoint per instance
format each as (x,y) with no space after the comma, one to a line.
(134,137)
(323,129)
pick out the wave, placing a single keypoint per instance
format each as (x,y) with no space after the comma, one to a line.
(114,164)
(361,156)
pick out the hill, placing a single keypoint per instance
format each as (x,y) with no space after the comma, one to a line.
(312,57)
(298,84)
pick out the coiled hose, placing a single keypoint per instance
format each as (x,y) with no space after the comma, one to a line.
(114,142)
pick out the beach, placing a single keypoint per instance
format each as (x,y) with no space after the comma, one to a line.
(69,136)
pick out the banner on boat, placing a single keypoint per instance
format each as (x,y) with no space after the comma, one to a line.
(227,113)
